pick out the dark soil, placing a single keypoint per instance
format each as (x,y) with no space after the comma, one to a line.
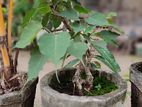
(17,82)
(101,85)
(138,67)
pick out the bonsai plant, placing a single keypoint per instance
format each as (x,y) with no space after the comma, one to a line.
(14,90)
(60,29)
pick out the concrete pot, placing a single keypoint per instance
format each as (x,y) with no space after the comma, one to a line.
(23,98)
(52,98)
(136,84)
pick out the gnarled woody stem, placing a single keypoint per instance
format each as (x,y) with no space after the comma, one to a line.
(80,83)
(87,83)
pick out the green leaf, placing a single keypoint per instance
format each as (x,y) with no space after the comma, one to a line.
(40,10)
(36,3)
(108,36)
(50,20)
(106,62)
(110,17)
(97,19)
(54,46)
(70,14)
(81,9)
(77,27)
(95,66)
(44,8)
(89,29)
(72,63)
(28,17)
(45,19)
(56,21)
(99,43)
(117,28)
(36,63)
(29,34)
(105,55)
(65,0)
(111,14)
(77,49)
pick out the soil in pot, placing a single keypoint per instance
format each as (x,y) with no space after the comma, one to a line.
(20,78)
(21,96)
(138,67)
(101,85)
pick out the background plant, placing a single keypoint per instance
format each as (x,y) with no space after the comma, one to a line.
(8,69)
(71,30)
(20,9)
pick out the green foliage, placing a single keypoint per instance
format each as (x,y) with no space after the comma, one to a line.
(70,14)
(81,9)
(97,19)
(77,49)
(42,9)
(29,34)
(72,63)
(77,27)
(51,21)
(105,55)
(36,63)
(108,36)
(20,9)
(101,86)
(57,43)
(28,16)
(70,31)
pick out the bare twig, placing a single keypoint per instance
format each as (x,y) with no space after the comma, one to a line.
(16,60)
(56,30)
(67,25)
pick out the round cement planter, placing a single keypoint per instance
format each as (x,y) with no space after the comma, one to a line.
(136,84)
(23,98)
(52,98)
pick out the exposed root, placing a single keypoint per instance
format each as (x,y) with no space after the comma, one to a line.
(80,83)
(15,83)
(84,83)
(89,79)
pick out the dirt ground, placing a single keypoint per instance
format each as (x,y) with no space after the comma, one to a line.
(124,61)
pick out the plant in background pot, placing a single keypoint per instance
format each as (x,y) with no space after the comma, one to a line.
(14,90)
(136,85)
(60,29)
(20,9)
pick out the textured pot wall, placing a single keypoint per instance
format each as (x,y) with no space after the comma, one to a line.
(23,98)
(52,98)
(136,85)
(51,101)
(136,96)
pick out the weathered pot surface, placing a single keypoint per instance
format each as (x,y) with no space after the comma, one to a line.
(136,84)
(22,98)
(52,98)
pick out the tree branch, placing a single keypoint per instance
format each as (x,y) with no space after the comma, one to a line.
(67,25)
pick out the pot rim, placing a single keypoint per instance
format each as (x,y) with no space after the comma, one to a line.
(133,67)
(18,96)
(122,88)
(136,75)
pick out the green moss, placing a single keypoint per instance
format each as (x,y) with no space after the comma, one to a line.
(101,86)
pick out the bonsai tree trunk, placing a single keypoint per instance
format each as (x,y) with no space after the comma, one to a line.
(84,83)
